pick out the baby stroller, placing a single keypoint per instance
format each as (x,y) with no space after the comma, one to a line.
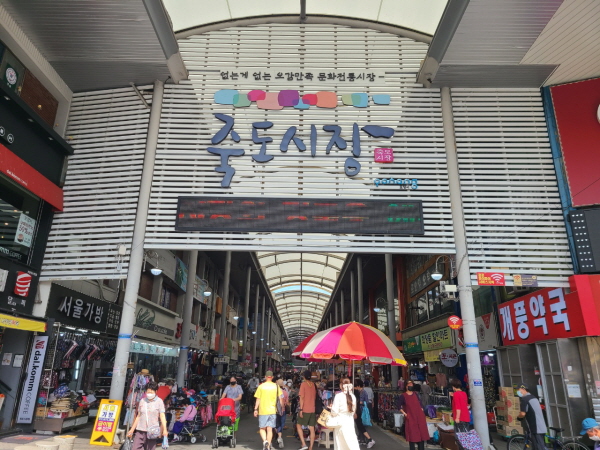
(225,418)
(191,431)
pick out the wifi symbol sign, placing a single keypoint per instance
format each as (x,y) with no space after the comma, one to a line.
(490,279)
(455,322)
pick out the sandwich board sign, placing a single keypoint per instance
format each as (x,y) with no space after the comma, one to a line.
(107,422)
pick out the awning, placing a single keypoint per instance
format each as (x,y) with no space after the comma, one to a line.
(20,323)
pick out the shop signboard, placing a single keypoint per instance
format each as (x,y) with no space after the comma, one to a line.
(199,289)
(548,314)
(73,308)
(181,274)
(431,355)
(23,174)
(32,379)
(197,339)
(437,339)
(107,421)
(18,286)
(449,357)
(151,321)
(576,110)
(412,345)
(525,280)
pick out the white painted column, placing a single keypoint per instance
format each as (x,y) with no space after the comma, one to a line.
(359,290)
(224,303)
(188,307)
(464,275)
(136,258)
(391,310)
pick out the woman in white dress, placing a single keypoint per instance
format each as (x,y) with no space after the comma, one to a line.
(344,407)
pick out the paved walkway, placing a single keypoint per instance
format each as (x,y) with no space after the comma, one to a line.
(247,438)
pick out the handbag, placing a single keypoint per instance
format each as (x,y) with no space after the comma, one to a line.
(366,417)
(152,432)
(322,419)
(318,402)
(127,444)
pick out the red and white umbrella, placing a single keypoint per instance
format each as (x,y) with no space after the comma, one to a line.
(353,341)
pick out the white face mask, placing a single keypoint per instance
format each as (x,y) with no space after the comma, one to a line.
(595,438)
(150,396)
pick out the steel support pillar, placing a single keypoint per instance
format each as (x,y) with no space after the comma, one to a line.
(136,257)
(391,310)
(188,308)
(224,304)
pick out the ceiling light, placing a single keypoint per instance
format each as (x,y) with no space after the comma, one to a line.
(262,339)
(70,328)
(437,276)
(236,317)
(207,293)
(377,310)
(254,332)
(155,271)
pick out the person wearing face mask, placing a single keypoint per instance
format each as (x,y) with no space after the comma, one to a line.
(415,425)
(531,411)
(151,411)
(235,392)
(344,407)
(590,427)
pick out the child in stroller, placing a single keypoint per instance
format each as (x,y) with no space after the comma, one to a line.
(226,423)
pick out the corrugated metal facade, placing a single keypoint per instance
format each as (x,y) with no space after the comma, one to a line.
(184,166)
(108,133)
(512,210)
(513,215)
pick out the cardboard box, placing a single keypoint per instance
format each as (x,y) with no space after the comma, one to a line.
(512,431)
(506,392)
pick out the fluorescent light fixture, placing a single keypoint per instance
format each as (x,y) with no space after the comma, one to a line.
(70,328)
(155,271)
(82,330)
(95,332)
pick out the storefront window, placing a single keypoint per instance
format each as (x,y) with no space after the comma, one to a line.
(19,213)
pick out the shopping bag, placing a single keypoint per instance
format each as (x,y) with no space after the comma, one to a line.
(165,442)
(322,419)
(366,417)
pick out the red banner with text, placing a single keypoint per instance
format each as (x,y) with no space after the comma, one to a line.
(552,314)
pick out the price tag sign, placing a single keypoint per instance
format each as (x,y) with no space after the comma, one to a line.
(106,423)
(25,230)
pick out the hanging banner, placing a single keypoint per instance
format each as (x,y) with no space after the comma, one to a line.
(32,379)
(22,324)
(106,423)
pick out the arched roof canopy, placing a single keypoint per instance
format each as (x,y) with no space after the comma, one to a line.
(415,19)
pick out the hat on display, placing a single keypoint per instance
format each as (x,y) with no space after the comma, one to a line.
(588,424)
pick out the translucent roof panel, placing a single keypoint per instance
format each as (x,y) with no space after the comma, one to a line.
(301,284)
(422,16)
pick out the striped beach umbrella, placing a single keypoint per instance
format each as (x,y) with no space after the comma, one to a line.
(352,341)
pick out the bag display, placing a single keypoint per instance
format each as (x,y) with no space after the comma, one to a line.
(366,417)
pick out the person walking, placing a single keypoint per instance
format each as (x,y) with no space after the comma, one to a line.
(235,392)
(460,406)
(306,410)
(531,411)
(415,425)
(344,407)
(281,418)
(150,416)
(265,408)
(363,400)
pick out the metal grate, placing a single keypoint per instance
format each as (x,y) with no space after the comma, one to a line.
(108,133)
(513,215)
(184,166)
